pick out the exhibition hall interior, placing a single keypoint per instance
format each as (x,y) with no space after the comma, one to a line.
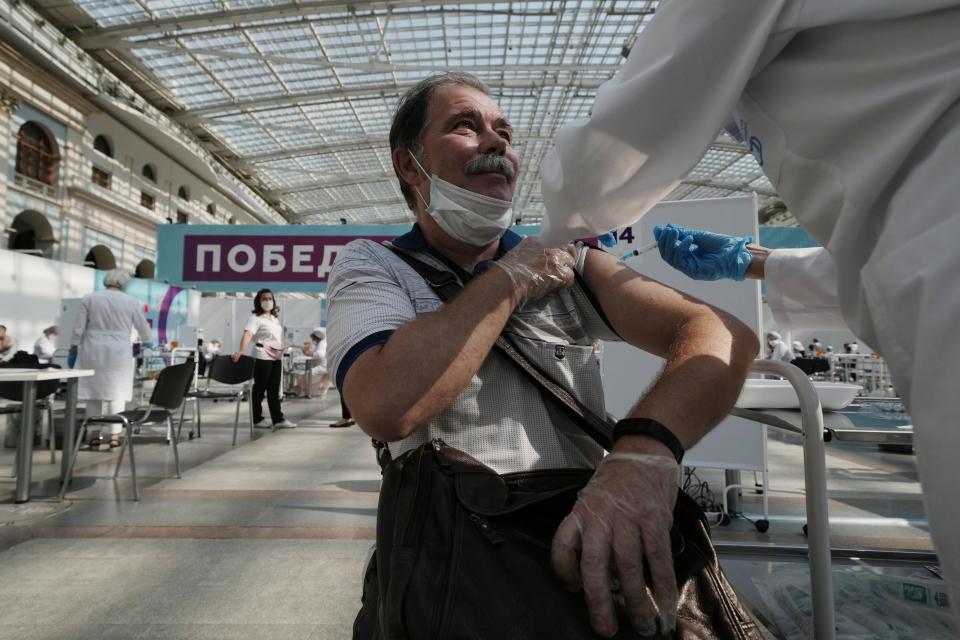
(313,312)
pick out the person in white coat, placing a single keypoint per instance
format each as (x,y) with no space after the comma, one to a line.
(316,350)
(852,110)
(46,345)
(777,349)
(101,339)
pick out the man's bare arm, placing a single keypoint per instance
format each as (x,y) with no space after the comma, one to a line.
(707,350)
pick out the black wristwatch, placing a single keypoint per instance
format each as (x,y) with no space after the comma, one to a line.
(652,429)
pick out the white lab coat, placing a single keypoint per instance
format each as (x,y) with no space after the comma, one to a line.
(802,289)
(853,111)
(104,325)
(44,348)
(320,354)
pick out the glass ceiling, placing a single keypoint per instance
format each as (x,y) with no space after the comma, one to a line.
(296,97)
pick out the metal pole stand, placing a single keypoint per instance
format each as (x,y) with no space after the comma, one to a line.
(815,484)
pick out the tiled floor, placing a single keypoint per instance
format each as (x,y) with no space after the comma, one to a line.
(267,540)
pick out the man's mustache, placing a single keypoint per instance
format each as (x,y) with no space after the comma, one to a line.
(490,163)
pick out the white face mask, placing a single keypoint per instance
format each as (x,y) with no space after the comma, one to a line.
(467,216)
(266,305)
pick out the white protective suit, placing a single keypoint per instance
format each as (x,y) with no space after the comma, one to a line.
(780,352)
(102,333)
(853,111)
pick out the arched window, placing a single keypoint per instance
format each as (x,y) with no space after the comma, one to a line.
(212,209)
(183,193)
(100,257)
(149,172)
(32,233)
(101,144)
(145,269)
(37,156)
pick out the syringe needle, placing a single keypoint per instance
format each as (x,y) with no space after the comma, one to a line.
(639,251)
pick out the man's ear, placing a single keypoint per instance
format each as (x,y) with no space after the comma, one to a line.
(406,167)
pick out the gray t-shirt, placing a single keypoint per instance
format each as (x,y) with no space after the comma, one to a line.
(500,417)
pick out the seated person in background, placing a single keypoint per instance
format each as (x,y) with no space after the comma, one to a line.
(210,350)
(8,346)
(777,349)
(798,349)
(316,350)
(412,368)
(46,345)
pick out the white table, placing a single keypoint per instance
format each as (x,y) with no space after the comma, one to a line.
(30,378)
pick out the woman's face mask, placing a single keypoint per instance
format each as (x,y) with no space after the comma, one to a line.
(470,217)
(266,305)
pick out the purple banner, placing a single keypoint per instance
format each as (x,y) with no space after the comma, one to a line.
(276,258)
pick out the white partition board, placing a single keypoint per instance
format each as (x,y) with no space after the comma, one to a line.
(627,372)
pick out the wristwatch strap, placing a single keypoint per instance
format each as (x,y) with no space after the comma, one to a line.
(652,429)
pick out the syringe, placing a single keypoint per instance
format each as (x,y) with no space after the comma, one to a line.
(639,252)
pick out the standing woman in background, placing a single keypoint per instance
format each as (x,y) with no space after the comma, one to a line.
(267,334)
(101,341)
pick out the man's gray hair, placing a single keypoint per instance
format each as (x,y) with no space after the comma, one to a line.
(413,115)
(116,278)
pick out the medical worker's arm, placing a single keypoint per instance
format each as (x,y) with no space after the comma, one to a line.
(653,121)
(802,289)
(141,325)
(623,516)
(801,283)
(396,388)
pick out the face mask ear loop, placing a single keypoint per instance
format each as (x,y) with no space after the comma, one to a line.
(424,172)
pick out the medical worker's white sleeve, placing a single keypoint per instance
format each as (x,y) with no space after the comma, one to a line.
(802,289)
(654,120)
(141,325)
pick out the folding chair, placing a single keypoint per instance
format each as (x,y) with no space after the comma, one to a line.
(167,397)
(224,370)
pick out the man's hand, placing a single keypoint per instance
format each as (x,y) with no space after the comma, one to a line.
(623,517)
(536,271)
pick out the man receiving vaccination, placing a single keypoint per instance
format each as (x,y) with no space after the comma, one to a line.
(452,150)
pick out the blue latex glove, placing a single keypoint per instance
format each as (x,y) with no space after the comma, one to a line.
(703,255)
(609,239)
(72,360)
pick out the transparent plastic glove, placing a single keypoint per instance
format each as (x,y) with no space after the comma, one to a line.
(703,255)
(535,270)
(623,517)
